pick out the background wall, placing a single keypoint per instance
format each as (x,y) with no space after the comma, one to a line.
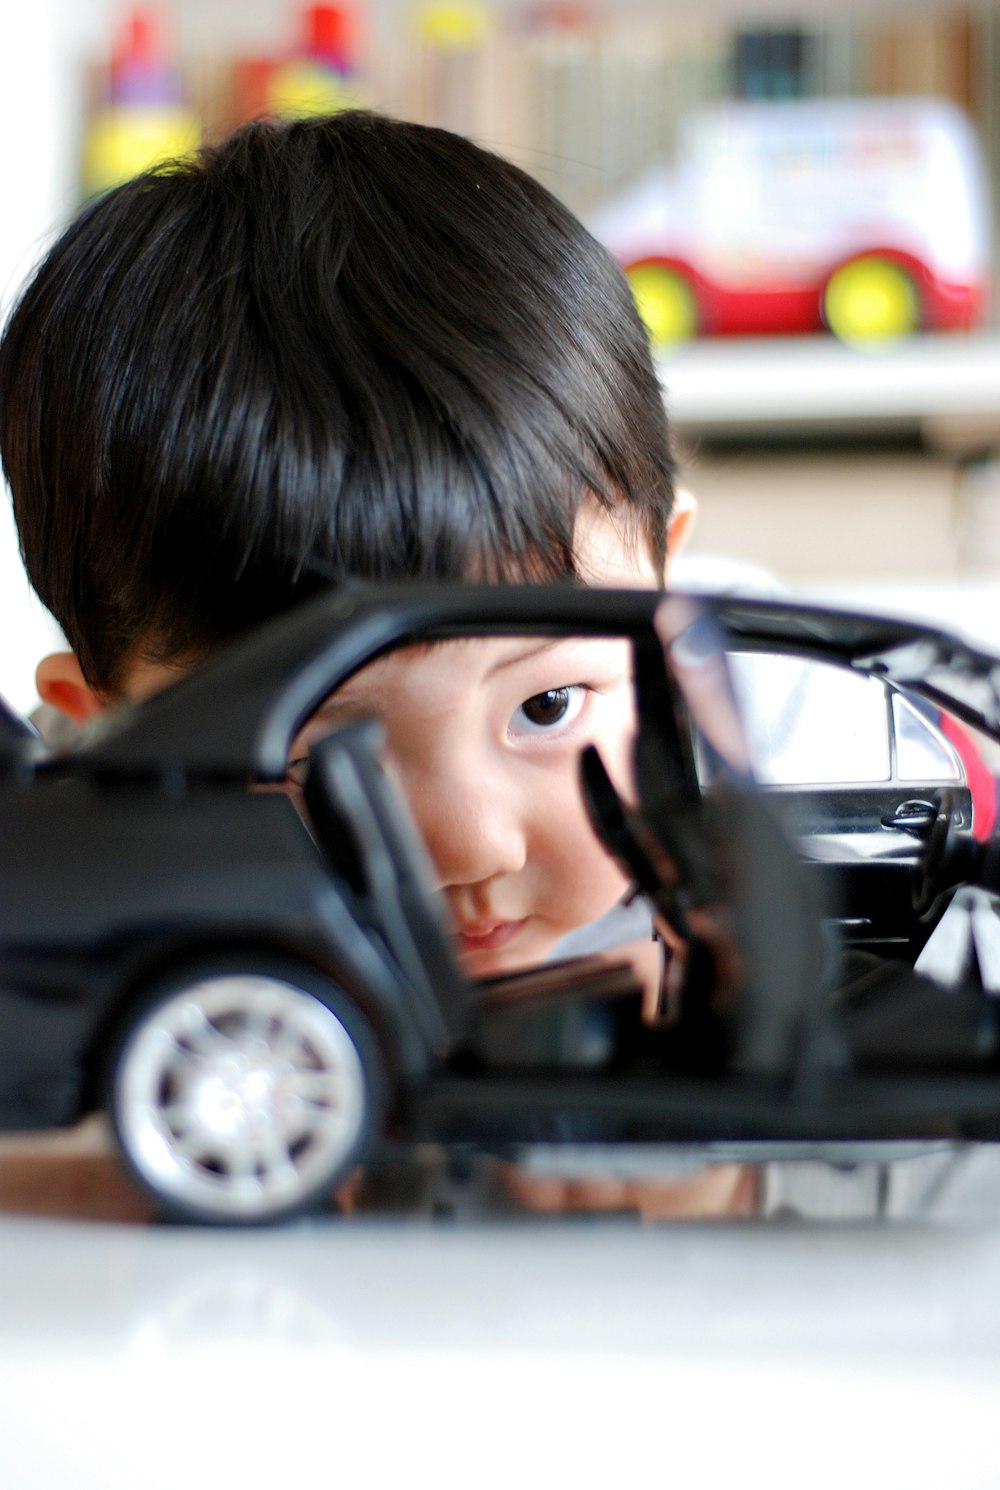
(41,101)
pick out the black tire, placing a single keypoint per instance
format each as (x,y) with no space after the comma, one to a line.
(243,1094)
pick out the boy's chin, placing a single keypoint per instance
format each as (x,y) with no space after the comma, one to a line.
(509,947)
(503,949)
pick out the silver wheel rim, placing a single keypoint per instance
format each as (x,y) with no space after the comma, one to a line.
(240,1097)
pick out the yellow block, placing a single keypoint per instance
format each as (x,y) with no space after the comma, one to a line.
(122,143)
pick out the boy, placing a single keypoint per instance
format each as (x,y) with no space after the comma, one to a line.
(340,347)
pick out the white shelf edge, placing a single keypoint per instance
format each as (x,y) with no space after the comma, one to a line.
(790,382)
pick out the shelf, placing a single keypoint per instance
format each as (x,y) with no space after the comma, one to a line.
(943,388)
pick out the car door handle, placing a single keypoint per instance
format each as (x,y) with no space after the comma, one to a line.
(912,817)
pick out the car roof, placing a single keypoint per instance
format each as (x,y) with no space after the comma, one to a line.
(236,715)
(941,666)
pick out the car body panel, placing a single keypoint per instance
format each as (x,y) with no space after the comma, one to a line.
(232,871)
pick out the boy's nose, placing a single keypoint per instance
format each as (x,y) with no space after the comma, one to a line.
(473,827)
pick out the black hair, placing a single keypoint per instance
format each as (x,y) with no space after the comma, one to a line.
(332,347)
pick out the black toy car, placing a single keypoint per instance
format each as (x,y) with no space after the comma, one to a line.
(263,998)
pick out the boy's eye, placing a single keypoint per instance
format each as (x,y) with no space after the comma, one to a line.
(543,711)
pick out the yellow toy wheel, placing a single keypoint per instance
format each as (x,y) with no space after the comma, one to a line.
(870,300)
(666,303)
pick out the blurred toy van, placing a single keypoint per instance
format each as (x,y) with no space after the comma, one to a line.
(865,216)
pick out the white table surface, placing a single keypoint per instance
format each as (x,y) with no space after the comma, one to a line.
(569,1352)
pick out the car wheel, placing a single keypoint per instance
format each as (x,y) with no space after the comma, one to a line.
(666,303)
(871,299)
(242,1096)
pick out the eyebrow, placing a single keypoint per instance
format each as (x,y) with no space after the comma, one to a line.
(341,698)
(523,656)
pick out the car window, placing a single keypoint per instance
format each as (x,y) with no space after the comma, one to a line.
(922,752)
(812,723)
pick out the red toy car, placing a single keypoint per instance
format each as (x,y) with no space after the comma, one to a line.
(867,217)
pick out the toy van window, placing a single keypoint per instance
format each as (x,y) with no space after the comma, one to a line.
(922,753)
(810,723)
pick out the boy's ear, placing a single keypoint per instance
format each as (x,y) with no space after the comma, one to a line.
(682,516)
(61,684)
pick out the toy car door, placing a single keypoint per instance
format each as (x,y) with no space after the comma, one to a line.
(854,767)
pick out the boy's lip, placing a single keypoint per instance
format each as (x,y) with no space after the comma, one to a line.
(486,936)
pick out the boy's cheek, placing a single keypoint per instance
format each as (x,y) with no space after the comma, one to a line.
(615,744)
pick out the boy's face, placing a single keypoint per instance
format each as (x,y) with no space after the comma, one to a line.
(485,739)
